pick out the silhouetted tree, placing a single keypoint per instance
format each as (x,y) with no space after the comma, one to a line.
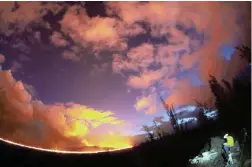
(149,132)
(170,112)
(233,100)
(245,52)
(173,119)
(158,130)
(203,109)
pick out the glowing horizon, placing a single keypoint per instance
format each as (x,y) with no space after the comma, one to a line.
(62,151)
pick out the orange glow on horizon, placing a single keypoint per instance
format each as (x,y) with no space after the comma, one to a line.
(63,151)
(115,140)
(67,127)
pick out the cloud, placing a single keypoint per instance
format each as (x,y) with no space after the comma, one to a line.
(159,119)
(15,17)
(182,37)
(138,59)
(151,12)
(74,54)
(143,103)
(58,39)
(147,103)
(99,69)
(192,35)
(30,89)
(20,45)
(102,33)
(2,58)
(185,93)
(70,55)
(98,32)
(146,79)
(49,126)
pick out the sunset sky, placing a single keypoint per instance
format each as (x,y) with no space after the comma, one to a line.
(115,57)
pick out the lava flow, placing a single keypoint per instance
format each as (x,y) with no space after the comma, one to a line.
(64,151)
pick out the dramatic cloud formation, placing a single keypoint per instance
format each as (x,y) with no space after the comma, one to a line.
(23,14)
(159,48)
(99,32)
(34,123)
(194,34)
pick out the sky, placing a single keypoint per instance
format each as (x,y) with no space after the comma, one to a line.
(107,62)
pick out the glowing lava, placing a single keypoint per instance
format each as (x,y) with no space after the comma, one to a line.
(115,140)
(63,151)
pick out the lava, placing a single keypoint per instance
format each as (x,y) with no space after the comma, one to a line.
(63,151)
(115,140)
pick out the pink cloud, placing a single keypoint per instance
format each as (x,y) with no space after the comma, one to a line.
(187,61)
(99,32)
(142,55)
(170,83)
(26,13)
(159,119)
(73,54)
(58,39)
(161,18)
(162,15)
(154,12)
(138,58)
(146,79)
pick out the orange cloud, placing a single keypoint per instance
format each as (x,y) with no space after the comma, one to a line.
(185,94)
(143,103)
(62,124)
(147,104)
(187,61)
